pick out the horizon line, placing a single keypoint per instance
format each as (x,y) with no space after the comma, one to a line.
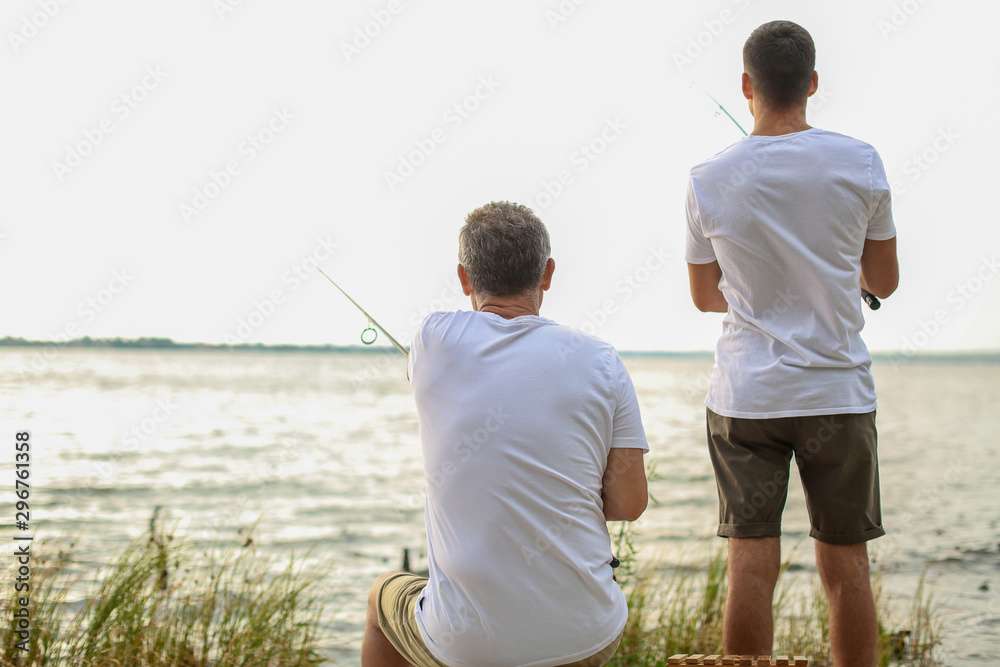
(164,343)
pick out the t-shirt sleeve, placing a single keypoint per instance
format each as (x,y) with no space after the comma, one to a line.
(627,431)
(880,226)
(698,249)
(416,348)
(409,360)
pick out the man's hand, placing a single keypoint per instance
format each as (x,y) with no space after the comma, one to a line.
(705,292)
(624,492)
(879,267)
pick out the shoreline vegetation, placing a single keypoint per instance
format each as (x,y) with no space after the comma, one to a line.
(165,601)
(675,610)
(156,343)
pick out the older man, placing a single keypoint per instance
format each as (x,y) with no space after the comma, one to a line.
(532,441)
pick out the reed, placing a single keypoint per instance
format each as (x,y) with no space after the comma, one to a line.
(679,610)
(172,602)
(169,602)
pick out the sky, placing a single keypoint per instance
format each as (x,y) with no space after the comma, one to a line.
(181,169)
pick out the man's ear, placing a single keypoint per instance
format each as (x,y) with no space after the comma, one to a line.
(550,267)
(749,94)
(463,278)
(814,86)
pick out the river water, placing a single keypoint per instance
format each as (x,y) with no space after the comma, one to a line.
(321,450)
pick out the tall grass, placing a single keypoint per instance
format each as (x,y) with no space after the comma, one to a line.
(164,602)
(170,602)
(679,610)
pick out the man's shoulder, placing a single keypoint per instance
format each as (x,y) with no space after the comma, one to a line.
(443,319)
(471,324)
(840,139)
(438,316)
(750,153)
(720,158)
(581,340)
(457,325)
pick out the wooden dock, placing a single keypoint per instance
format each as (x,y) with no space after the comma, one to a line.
(742,660)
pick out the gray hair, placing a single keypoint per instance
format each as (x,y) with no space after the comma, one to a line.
(504,248)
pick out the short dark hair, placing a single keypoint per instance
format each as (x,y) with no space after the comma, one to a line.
(780,58)
(504,248)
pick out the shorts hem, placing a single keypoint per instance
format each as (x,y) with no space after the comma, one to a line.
(749,530)
(847,538)
(397,600)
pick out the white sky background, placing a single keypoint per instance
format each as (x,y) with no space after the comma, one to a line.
(557,87)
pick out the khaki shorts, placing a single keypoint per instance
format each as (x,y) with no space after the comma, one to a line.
(397,606)
(838,463)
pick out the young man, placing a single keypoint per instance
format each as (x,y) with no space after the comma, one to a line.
(784,229)
(532,441)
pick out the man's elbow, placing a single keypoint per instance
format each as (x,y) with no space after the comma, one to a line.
(710,305)
(636,509)
(884,293)
(885,287)
(701,304)
(626,511)
(705,306)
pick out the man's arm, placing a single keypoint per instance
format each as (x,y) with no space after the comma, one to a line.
(705,292)
(624,488)
(879,267)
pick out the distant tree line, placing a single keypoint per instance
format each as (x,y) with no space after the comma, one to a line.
(152,342)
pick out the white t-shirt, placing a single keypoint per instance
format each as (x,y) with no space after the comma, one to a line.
(516,421)
(787,217)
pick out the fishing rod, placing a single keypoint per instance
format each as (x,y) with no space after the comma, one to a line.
(867,296)
(719,104)
(372,324)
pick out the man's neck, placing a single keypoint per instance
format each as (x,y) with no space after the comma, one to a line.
(508,307)
(767,123)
